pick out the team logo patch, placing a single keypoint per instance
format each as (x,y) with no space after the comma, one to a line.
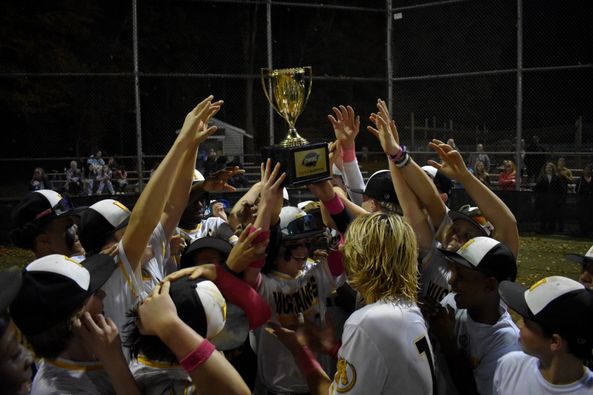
(345,377)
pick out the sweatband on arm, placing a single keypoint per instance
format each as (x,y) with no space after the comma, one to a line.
(197,357)
(263,236)
(307,362)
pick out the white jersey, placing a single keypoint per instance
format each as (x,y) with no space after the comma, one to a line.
(157,378)
(518,373)
(434,269)
(64,377)
(483,344)
(153,270)
(385,350)
(290,298)
(122,291)
(210,227)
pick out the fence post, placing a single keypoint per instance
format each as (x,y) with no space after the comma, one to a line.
(137,96)
(518,161)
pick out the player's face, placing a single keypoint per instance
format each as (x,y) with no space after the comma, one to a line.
(298,254)
(586,277)
(469,286)
(533,341)
(57,238)
(459,233)
(15,362)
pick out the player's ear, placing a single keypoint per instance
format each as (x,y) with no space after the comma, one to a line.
(491,284)
(558,344)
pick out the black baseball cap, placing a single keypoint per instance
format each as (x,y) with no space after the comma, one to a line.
(56,286)
(100,221)
(42,205)
(558,304)
(380,187)
(10,283)
(223,246)
(486,255)
(582,259)
(474,216)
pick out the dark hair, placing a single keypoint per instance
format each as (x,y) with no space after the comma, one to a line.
(24,236)
(54,341)
(4,322)
(150,346)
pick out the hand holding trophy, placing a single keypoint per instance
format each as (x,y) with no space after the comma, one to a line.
(304,163)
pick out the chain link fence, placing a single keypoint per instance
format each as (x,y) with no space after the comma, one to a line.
(476,71)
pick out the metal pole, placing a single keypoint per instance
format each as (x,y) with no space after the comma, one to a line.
(137,96)
(269,38)
(518,160)
(389,57)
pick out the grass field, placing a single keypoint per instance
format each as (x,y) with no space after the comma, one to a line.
(539,257)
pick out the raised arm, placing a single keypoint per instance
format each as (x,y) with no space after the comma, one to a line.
(210,371)
(151,203)
(493,208)
(415,177)
(386,133)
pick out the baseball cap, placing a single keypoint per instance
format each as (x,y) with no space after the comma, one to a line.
(223,246)
(100,221)
(200,305)
(54,287)
(10,282)
(474,216)
(43,204)
(485,255)
(582,259)
(559,304)
(379,186)
(440,180)
(297,224)
(197,176)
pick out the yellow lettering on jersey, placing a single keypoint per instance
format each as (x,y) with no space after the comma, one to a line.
(345,377)
(537,284)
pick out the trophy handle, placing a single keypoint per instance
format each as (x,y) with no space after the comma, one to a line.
(309,74)
(264,76)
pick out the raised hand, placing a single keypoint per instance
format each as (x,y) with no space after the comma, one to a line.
(217,181)
(100,335)
(157,311)
(195,125)
(452,164)
(271,183)
(346,125)
(245,252)
(207,271)
(385,130)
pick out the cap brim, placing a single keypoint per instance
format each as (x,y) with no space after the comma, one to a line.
(100,266)
(454,215)
(10,283)
(579,258)
(455,257)
(123,224)
(513,295)
(219,245)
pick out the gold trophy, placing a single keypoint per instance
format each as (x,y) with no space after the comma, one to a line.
(303,162)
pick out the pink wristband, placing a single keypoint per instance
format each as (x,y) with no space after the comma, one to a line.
(264,235)
(334,205)
(349,154)
(307,362)
(197,357)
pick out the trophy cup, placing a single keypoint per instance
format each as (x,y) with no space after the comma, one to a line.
(302,161)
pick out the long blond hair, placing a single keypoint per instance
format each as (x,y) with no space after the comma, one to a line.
(381,257)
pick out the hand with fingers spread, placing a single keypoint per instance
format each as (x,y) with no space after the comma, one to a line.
(452,164)
(157,311)
(218,181)
(346,125)
(245,251)
(195,126)
(271,183)
(207,271)
(385,130)
(100,335)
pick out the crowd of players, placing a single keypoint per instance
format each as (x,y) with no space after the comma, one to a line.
(375,288)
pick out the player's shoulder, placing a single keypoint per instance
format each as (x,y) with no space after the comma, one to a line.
(514,360)
(381,313)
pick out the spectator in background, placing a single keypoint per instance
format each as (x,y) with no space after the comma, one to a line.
(211,164)
(534,158)
(507,177)
(73,179)
(566,178)
(564,171)
(121,179)
(584,190)
(481,173)
(451,142)
(479,155)
(95,163)
(104,178)
(238,180)
(39,180)
(549,191)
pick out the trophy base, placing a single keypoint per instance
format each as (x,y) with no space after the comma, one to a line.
(303,165)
